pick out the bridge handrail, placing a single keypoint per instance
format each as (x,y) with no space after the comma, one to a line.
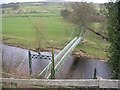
(58,57)
(58,65)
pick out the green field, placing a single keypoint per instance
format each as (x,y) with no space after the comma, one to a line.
(52,29)
(18,30)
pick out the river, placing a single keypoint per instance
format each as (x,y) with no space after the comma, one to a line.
(15,61)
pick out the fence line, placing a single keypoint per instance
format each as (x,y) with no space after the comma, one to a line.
(98,83)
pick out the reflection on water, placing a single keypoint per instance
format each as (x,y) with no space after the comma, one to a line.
(84,68)
(16,60)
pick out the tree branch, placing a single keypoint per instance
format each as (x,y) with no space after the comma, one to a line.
(99,34)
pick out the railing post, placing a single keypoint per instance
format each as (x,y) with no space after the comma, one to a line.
(52,68)
(95,72)
(30,62)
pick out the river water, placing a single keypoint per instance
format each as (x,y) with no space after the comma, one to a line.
(15,61)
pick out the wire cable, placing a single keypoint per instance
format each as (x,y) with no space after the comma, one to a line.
(9,74)
(37,29)
(69,37)
(34,26)
(18,67)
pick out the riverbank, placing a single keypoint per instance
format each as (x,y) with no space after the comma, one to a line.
(78,53)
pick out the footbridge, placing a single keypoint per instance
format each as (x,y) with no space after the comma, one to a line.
(56,62)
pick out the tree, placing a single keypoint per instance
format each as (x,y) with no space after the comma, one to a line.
(3,12)
(65,13)
(114,38)
(83,14)
(15,6)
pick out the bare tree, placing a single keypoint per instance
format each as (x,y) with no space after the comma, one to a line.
(83,14)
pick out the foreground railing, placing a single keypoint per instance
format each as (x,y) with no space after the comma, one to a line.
(92,83)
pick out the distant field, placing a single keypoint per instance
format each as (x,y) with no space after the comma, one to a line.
(18,31)
(53,29)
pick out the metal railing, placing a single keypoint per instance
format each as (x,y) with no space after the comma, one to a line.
(47,70)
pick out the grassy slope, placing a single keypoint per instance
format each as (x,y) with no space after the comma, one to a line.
(54,29)
(19,28)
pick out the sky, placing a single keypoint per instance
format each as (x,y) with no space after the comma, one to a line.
(8,1)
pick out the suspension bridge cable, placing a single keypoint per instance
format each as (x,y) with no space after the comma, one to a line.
(81,31)
(37,29)
(9,74)
(34,26)
(71,34)
(69,37)
(81,37)
(22,62)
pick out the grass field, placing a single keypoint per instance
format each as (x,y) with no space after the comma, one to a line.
(19,31)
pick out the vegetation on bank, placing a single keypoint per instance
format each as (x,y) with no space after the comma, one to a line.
(114,38)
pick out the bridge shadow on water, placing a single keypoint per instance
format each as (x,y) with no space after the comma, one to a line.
(84,68)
